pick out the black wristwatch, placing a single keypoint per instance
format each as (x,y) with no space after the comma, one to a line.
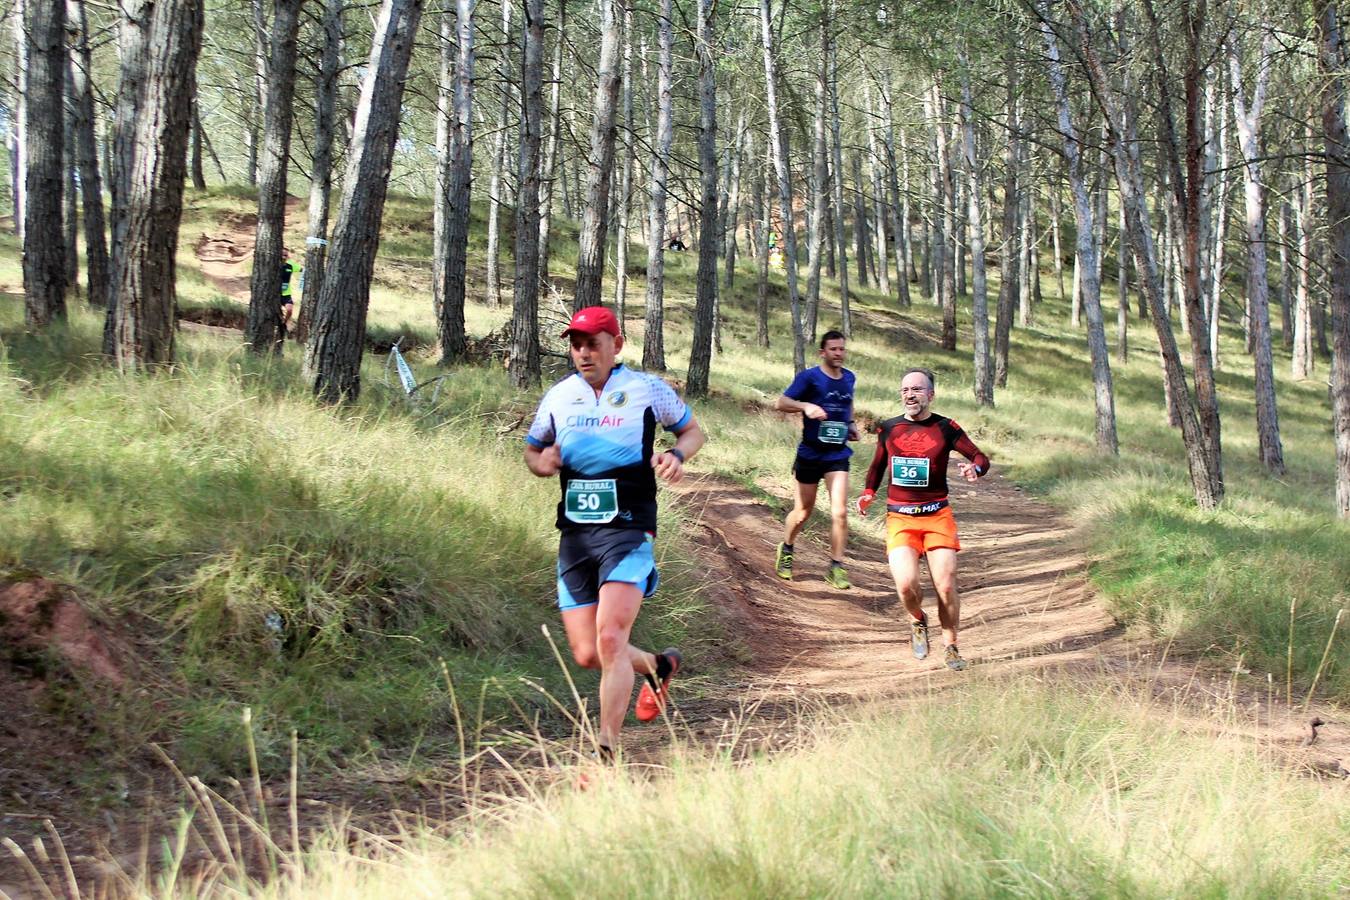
(675,452)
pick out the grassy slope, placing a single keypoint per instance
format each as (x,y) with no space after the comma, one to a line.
(390,537)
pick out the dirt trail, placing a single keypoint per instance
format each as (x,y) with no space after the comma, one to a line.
(1026,608)
(226,256)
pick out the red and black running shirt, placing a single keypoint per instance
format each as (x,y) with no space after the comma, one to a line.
(912,458)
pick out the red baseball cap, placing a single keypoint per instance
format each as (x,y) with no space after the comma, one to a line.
(592,320)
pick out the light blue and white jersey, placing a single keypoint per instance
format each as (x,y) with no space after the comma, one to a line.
(606,443)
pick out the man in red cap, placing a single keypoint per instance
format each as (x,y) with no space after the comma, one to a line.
(596,429)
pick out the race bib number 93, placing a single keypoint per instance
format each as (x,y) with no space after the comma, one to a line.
(833,432)
(592,501)
(909,471)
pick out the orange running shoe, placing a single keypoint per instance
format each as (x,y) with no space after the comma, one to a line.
(652,701)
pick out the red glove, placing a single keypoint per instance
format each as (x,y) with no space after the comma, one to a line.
(864,501)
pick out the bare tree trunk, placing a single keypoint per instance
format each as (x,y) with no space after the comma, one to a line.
(882,269)
(778,138)
(762,204)
(946,193)
(700,353)
(499,155)
(265,330)
(899,240)
(1333,62)
(333,353)
(911,271)
(1123,289)
(458,186)
(1087,250)
(19,135)
(260,88)
(524,362)
(626,176)
(133,29)
(815,234)
(984,364)
(1205,471)
(1009,255)
(837,190)
(195,163)
(321,176)
(731,215)
(1220,245)
(549,179)
(594,231)
(70,195)
(1286,282)
(653,345)
(1248,119)
(859,218)
(1304,360)
(86,154)
(155,170)
(44,256)
(1054,236)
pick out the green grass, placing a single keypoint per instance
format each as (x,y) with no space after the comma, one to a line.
(1029,790)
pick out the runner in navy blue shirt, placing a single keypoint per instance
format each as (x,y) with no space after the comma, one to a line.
(824,397)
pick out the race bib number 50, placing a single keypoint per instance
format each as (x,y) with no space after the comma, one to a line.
(591,502)
(909,471)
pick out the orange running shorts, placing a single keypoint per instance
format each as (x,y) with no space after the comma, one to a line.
(923,533)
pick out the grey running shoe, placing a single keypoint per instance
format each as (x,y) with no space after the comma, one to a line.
(782,566)
(954,660)
(918,637)
(838,578)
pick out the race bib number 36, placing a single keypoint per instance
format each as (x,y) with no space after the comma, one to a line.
(833,432)
(909,471)
(591,502)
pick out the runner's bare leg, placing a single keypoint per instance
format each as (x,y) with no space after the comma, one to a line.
(806,501)
(905,571)
(942,569)
(837,484)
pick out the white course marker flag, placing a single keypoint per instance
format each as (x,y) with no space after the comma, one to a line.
(405,374)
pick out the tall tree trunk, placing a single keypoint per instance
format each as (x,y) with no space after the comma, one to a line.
(133,30)
(1206,474)
(1055,192)
(700,353)
(837,190)
(1303,359)
(265,330)
(782,156)
(1009,256)
(1087,250)
(984,364)
(1248,118)
(86,155)
(762,205)
(44,257)
(947,194)
(1333,62)
(626,172)
(499,154)
(1220,244)
(732,210)
(70,195)
(19,135)
(594,232)
(321,175)
(1123,290)
(815,236)
(524,362)
(874,166)
(899,240)
(196,169)
(549,179)
(156,162)
(859,218)
(458,186)
(1286,282)
(911,270)
(654,345)
(333,353)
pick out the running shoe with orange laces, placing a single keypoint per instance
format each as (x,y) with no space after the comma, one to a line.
(655,691)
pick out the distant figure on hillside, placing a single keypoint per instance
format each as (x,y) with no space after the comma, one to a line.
(595,430)
(824,397)
(676,244)
(914,448)
(288,269)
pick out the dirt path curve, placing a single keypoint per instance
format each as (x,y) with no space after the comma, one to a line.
(1023,588)
(1026,607)
(226,256)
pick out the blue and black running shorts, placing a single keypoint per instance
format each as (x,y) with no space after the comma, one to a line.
(590,557)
